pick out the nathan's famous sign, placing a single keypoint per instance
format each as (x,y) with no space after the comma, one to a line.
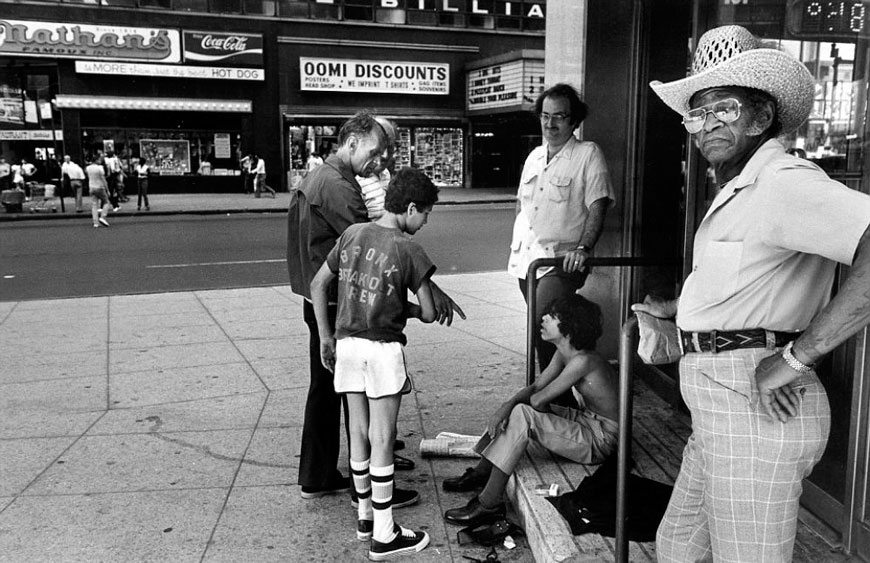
(80,41)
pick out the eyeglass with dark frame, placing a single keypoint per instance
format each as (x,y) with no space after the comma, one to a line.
(726,111)
(555,117)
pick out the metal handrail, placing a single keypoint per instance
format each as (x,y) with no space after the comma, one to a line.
(627,349)
(626,356)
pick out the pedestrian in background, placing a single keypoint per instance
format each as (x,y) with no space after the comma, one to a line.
(755,314)
(313,161)
(5,175)
(259,170)
(563,198)
(113,176)
(143,171)
(247,179)
(28,175)
(99,190)
(18,180)
(73,174)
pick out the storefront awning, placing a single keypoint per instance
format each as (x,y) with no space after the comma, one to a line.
(153,104)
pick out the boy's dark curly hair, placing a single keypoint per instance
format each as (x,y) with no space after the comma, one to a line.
(579,320)
(410,185)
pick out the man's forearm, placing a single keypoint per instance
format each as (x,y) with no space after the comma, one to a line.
(845,315)
(594,223)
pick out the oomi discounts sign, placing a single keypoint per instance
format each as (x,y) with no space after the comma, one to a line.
(394,77)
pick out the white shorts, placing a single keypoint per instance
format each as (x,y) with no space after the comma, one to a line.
(374,368)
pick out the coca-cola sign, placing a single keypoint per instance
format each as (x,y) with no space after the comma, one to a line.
(216,47)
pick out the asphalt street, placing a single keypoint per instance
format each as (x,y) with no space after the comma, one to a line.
(141,254)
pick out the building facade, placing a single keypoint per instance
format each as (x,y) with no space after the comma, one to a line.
(196,85)
(196,81)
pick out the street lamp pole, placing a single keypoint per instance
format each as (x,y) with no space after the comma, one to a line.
(53,108)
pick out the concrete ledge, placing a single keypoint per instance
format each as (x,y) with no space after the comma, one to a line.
(548,535)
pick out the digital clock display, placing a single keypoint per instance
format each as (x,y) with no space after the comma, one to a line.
(825,20)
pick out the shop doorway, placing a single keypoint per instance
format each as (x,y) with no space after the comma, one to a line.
(499,148)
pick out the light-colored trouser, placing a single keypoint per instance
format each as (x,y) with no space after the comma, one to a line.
(99,201)
(578,435)
(736,497)
(76,187)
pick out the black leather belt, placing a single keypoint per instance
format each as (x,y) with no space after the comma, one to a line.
(723,341)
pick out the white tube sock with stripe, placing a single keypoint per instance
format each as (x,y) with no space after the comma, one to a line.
(382,503)
(362,484)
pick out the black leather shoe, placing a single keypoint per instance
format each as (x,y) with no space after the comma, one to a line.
(468,481)
(474,514)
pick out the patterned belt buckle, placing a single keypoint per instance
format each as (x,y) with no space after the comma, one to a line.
(769,339)
(713,342)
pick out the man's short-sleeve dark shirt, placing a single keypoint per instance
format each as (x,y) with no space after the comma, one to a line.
(326,203)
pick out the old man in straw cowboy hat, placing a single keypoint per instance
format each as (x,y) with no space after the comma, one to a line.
(754,315)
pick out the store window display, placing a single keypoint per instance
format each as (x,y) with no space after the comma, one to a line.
(438,151)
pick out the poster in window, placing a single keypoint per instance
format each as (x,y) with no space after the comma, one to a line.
(439,153)
(222,145)
(11,106)
(167,157)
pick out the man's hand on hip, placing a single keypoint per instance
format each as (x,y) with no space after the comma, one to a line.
(772,378)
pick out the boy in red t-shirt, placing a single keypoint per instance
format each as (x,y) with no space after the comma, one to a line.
(376,264)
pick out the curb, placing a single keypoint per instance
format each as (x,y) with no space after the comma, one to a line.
(38,216)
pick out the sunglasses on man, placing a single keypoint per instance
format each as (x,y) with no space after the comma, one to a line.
(726,111)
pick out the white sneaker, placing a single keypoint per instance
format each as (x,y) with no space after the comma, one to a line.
(116,209)
(96,225)
(103,221)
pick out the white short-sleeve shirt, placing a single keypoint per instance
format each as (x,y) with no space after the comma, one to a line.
(764,256)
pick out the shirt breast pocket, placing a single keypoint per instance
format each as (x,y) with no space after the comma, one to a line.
(560,188)
(527,187)
(719,273)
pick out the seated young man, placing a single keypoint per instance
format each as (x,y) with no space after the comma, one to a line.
(587,435)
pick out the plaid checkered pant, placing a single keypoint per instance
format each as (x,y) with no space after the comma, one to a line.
(736,497)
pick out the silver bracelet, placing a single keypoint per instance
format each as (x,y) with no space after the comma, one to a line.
(793,362)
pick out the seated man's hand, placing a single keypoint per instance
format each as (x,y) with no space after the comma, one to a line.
(444,306)
(657,307)
(498,421)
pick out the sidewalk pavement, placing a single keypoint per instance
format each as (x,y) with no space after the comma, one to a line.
(223,203)
(166,427)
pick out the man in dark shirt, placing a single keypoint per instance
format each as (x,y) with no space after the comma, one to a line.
(328,201)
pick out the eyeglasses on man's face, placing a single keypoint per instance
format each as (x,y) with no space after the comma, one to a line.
(555,118)
(726,111)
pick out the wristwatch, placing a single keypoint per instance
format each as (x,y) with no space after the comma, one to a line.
(793,362)
(584,248)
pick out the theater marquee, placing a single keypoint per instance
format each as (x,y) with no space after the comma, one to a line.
(392,77)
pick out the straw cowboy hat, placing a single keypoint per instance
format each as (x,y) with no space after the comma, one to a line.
(731,56)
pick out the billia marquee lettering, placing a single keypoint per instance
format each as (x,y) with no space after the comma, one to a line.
(476,7)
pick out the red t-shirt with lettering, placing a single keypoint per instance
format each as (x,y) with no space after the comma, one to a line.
(376,267)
